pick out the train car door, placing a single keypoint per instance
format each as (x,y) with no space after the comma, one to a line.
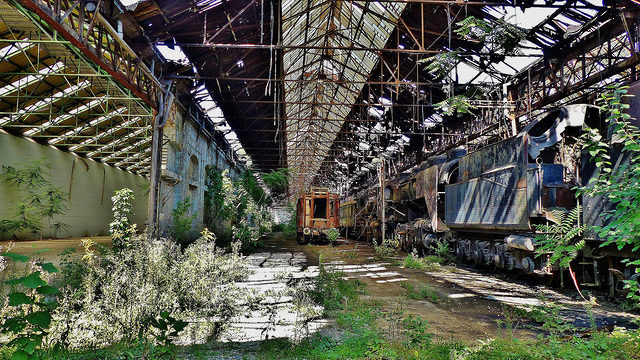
(307,212)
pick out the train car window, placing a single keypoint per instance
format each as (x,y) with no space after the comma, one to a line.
(332,208)
(319,208)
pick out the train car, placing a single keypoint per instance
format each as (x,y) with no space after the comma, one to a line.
(503,190)
(486,203)
(348,213)
(317,211)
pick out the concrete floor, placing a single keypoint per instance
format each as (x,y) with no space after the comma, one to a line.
(471,301)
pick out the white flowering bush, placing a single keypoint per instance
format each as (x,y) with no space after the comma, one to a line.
(122,292)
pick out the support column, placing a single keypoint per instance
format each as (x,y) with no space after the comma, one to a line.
(383,215)
(165,101)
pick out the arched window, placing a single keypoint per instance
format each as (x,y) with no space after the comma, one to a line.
(193,174)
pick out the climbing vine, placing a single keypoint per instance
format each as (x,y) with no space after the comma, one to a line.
(236,210)
(617,180)
(39,200)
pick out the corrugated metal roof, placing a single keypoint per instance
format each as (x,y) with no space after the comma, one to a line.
(316,109)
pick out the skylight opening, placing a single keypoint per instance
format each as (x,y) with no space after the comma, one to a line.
(126,149)
(176,54)
(46,101)
(15,48)
(73,112)
(31,79)
(108,133)
(112,144)
(92,123)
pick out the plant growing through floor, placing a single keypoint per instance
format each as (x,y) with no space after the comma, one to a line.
(428,263)
(562,238)
(332,291)
(617,181)
(182,221)
(443,251)
(40,199)
(387,250)
(332,235)
(416,331)
(422,292)
(167,328)
(32,301)
(122,214)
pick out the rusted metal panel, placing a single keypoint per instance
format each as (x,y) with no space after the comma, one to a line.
(420,184)
(396,194)
(508,152)
(533,191)
(489,202)
(431,194)
(406,192)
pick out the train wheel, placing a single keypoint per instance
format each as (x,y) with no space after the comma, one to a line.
(460,252)
(301,239)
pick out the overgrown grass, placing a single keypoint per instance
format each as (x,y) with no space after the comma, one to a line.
(427,263)
(334,292)
(422,292)
(367,329)
(388,250)
(141,350)
(363,337)
(598,346)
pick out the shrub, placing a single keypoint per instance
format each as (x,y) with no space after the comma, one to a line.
(182,222)
(122,213)
(31,302)
(236,209)
(332,235)
(332,291)
(428,263)
(123,292)
(387,250)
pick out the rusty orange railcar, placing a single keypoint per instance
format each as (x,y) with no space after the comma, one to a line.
(317,211)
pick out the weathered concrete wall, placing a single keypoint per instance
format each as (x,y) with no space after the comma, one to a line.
(91,186)
(185,158)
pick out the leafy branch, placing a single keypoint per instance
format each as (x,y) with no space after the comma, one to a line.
(456,104)
(619,180)
(501,36)
(440,65)
(561,239)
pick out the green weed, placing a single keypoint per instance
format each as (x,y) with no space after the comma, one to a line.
(422,292)
(428,263)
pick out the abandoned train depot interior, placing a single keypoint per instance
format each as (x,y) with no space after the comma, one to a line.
(319,179)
